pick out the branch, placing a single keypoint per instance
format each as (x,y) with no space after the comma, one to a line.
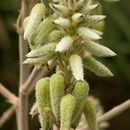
(6,115)
(114,112)
(23,46)
(22,112)
(111,113)
(7,94)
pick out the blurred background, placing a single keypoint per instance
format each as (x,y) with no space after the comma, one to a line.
(110,91)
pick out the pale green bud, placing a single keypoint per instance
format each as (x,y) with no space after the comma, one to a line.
(97,32)
(56,93)
(93,19)
(62,22)
(81,3)
(43,50)
(76,67)
(98,50)
(72,4)
(67,107)
(80,93)
(90,114)
(96,67)
(60,9)
(90,8)
(39,60)
(34,20)
(88,34)
(55,36)
(44,28)
(65,44)
(25,22)
(43,101)
(77,17)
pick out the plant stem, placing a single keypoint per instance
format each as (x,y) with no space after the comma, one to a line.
(6,115)
(115,111)
(8,95)
(24,72)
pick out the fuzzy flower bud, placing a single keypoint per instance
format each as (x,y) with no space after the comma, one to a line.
(90,8)
(25,22)
(98,50)
(88,34)
(90,114)
(96,67)
(81,3)
(65,43)
(39,60)
(78,17)
(66,111)
(44,28)
(60,9)
(80,93)
(43,50)
(43,101)
(62,22)
(94,19)
(72,4)
(55,36)
(77,67)
(56,93)
(35,18)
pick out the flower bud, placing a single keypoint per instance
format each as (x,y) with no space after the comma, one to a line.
(78,17)
(97,49)
(81,3)
(56,93)
(76,67)
(65,44)
(43,50)
(39,60)
(34,20)
(44,28)
(72,4)
(55,36)
(80,93)
(62,22)
(66,111)
(60,9)
(43,101)
(97,32)
(96,67)
(25,22)
(88,34)
(90,8)
(91,20)
(90,114)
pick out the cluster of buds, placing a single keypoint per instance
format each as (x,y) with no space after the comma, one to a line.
(55,106)
(65,32)
(67,35)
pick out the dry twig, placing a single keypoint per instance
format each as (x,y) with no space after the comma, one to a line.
(6,115)
(8,95)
